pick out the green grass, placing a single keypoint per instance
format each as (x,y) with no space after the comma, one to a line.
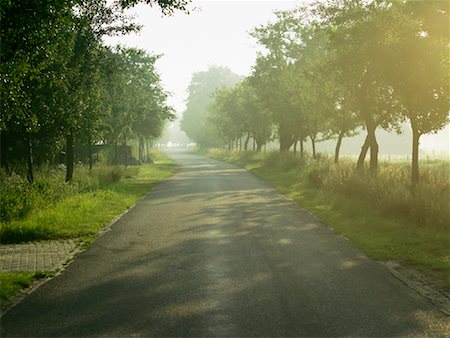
(379,215)
(82,214)
(12,282)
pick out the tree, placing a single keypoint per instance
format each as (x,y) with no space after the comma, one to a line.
(36,39)
(195,122)
(49,81)
(269,77)
(418,36)
(257,119)
(356,34)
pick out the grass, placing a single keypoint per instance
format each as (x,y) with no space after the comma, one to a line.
(11,283)
(78,213)
(82,213)
(381,215)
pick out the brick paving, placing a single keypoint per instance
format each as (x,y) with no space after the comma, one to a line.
(44,256)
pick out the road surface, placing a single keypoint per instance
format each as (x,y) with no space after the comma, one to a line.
(214,251)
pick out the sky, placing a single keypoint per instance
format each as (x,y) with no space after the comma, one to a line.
(214,33)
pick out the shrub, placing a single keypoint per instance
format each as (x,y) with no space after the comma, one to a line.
(109,174)
(317,173)
(16,197)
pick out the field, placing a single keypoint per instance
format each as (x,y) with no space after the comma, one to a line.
(382,215)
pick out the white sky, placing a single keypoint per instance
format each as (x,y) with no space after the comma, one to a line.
(216,33)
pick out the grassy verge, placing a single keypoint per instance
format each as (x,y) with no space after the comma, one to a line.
(381,215)
(79,213)
(11,283)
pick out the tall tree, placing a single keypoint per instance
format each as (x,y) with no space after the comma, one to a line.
(418,36)
(357,37)
(195,122)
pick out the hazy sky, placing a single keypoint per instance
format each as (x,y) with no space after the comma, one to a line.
(215,33)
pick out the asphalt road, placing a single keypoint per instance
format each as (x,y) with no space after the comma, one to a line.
(214,251)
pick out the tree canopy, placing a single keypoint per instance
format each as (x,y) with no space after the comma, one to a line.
(331,67)
(57,79)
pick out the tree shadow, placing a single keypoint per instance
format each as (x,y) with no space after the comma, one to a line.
(216,252)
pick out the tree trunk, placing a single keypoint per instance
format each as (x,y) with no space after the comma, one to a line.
(295,148)
(415,154)
(363,153)
(141,148)
(302,149)
(4,151)
(30,175)
(373,154)
(259,146)
(286,138)
(338,146)
(125,152)
(246,141)
(286,142)
(69,157)
(313,144)
(90,154)
(115,153)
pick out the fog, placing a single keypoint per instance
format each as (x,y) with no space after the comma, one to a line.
(216,33)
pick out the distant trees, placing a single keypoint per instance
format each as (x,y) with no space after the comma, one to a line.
(331,67)
(136,102)
(54,74)
(195,122)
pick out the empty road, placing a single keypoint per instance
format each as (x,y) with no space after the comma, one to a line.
(215,251)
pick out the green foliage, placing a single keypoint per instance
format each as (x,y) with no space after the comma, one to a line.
(59,82)
(328,68)
(15,197)
(195,122)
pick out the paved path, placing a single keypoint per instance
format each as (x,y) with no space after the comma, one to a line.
(214,251)
(44,256)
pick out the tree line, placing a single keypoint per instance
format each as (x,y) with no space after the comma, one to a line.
(332,68)
(61,85)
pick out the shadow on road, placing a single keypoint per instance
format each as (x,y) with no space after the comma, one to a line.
(241,260)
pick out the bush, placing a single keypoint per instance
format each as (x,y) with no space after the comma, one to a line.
(317,173)
(109,174)
(16,197)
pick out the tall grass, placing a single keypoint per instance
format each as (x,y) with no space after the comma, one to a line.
(390,191)
(18,198)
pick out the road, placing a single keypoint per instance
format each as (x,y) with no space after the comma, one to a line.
(215,251)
